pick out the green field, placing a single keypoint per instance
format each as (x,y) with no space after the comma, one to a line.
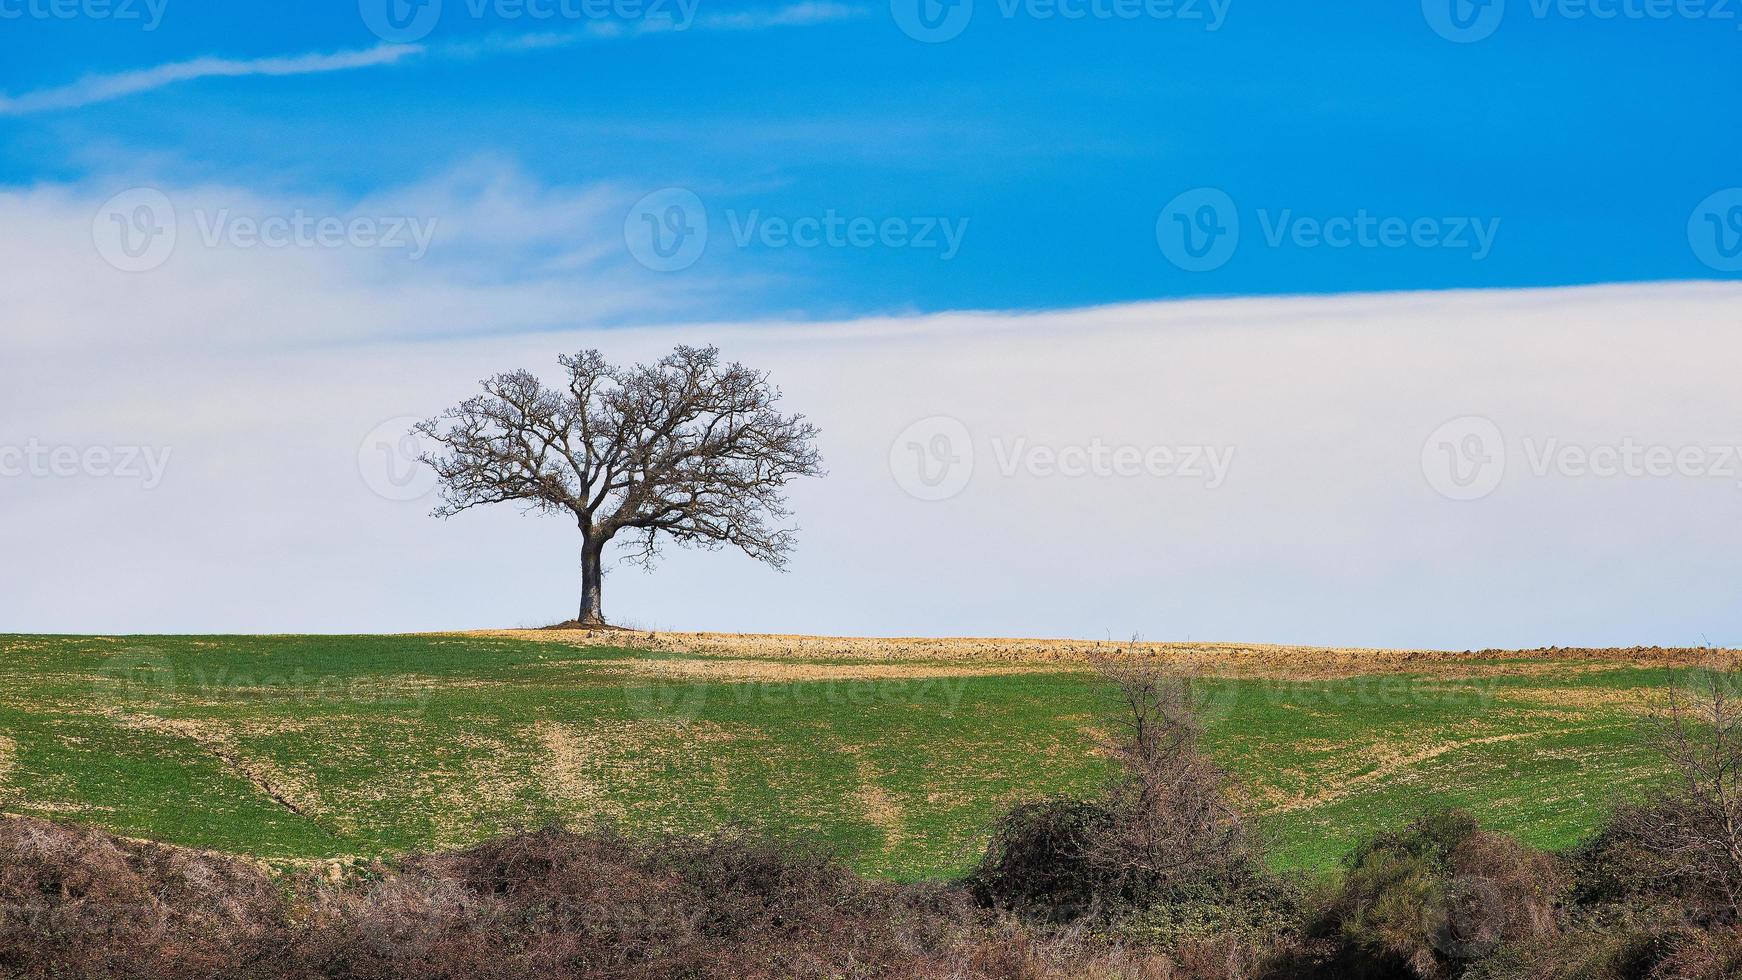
(333,747)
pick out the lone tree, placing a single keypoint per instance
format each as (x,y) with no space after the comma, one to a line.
(685,447)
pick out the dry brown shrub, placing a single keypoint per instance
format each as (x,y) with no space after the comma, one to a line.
(1704,956)
(76,902)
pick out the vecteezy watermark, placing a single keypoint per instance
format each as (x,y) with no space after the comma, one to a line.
(1463,21)
(933,459)
(1466,918)
(1631,459)
(667,230)
(145,464)
(1466,459)
(935,21)
(147,675)
(148,14)
(400,21)
(1099,459)
(301,229)
(1363,230)
(1468,21)
(1715,230)
(137,230)
(297,686)
(833,230)
(137,674)
(1377,690)
(1199,230)
(680,701)
(389,459)
(406,21)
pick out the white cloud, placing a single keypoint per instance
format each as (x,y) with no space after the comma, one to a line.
(504,255)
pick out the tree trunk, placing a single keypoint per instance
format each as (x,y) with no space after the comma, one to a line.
(592,582)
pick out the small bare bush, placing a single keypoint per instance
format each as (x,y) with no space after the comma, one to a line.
(79,903)
(1164,829)
(1690,833)
(1172,814)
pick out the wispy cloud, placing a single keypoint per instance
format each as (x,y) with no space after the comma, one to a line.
(94,89)
(103,88)
(796,15)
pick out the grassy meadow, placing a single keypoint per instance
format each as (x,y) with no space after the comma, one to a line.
(347,747)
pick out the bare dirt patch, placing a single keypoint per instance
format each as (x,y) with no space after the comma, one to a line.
(1219,659)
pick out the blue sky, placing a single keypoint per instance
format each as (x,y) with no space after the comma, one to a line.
(1584,143)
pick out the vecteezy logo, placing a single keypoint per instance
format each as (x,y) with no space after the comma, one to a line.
(137,674)
(134,231)
(400,21)
(667,230)
(1463,21)
(1199,230)
(668,701)
(932,459)
(932,21)
(1467,919)
(388,458)
(1715,230)
(1212,699)
(1464,459)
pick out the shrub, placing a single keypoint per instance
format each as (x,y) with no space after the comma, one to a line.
(558,904)
(1715,955)
(1173,819)
(1039,863)
(76,902)
(1163,832)
(1428,901)
(1685,840)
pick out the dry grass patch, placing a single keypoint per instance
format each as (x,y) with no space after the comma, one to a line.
(1254,660)
(1386,761)
(595,767)
(572,773)
(463,804)
(731,669)
(1637,700)
(883,811)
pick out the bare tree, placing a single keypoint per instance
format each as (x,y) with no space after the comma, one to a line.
(1165,822)
(1694,825)
(685,448)
(1171,809)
